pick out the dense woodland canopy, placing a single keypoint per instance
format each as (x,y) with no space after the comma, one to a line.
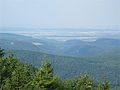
(100,58)
(15,75)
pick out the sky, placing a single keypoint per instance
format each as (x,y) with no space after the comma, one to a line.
(97,14)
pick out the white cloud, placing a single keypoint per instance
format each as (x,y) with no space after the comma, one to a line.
(36,43)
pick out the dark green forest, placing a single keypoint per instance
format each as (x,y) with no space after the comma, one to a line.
(70,58)
(105,66)
(15,75)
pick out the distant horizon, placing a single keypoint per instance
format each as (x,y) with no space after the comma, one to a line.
(49,28)
(63,34)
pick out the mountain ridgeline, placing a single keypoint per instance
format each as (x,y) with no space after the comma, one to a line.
(74,48)
(100,58)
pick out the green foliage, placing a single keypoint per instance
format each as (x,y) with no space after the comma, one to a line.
(84,83)
(66,67)
(1,53)
(15,75)
(44,78)
(19,79)
(7,65)
(117,87)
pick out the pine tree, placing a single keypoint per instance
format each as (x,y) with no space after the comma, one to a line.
(116,86)
(44,78)
(3,64)
(20,78)
(84,83)
(106,85)
(2,53)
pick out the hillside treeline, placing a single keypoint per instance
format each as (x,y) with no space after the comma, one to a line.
(15,75)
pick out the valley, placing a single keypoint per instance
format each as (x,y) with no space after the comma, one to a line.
(70,58)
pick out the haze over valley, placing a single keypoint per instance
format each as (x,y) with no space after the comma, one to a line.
(59,44)
(75,55)
(64,34)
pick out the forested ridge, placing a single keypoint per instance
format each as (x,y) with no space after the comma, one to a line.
(103,66)
(100,58)
(15,75)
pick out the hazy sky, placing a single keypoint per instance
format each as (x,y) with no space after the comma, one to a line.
(60,13)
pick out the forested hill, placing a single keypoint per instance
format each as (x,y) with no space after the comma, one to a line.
(15,75)
(74,48)
(100,58)
(103,66)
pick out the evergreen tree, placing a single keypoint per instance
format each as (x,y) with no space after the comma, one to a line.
(44,78)
(106,85)
(84,83)
(2,53)
(7,65)
(116,86)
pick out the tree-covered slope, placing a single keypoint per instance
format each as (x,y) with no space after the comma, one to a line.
(15,75)
(100,58)
(74,48)
(102,66)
